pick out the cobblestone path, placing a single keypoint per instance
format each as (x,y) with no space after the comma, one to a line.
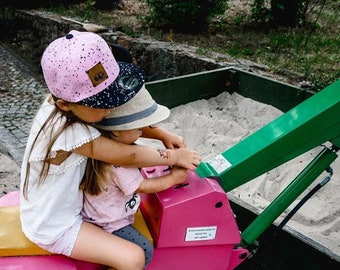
(21,92)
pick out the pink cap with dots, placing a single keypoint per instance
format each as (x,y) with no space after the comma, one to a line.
(81,68)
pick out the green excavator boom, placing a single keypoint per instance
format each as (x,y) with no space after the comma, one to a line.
(307,125)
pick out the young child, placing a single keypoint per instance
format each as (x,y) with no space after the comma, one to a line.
(110,191)
(85,83)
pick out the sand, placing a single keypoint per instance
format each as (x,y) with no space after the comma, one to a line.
(212,126)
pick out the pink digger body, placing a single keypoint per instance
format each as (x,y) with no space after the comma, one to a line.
(180,229)
(182,235)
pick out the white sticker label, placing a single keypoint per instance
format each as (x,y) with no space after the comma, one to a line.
(201,233)
(219,164)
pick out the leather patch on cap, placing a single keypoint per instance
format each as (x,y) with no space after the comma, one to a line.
(97,74)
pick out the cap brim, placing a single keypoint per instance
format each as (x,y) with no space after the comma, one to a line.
(161,113)
(130,80)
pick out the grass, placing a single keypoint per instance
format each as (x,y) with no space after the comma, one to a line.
(310,50)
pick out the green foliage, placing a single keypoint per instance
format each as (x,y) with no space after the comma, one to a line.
(260,11)
(279,12)
(88,9)
(311,55)
(310,50)
(186,16)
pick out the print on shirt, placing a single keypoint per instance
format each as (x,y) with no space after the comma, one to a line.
(134,201)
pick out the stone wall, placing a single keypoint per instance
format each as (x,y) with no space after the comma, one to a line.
(31,31)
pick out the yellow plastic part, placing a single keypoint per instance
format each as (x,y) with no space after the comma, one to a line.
(13,242)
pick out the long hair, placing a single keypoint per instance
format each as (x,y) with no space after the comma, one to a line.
(71,119)
(97,173)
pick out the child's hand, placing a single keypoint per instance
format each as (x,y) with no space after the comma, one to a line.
(179,175)
(172,141)
(186,158)
(169,139)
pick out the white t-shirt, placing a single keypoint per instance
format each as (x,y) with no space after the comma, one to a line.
(54,206)
(116,206)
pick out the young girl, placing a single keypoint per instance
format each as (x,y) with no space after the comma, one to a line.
(110,191)
(85,83)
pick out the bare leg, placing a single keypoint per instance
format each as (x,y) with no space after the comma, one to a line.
(95,245)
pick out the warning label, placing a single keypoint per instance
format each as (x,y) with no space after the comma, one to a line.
(200,233)
(219,163)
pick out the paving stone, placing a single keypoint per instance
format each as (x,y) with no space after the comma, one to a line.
(21,92)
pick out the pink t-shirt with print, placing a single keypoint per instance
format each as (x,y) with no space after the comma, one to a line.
(116,206)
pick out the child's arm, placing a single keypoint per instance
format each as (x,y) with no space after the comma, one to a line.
(169,139)
(152,185)
(113,152)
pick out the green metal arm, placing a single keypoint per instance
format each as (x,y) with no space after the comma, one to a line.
(304,127)
(287,196)
(309,124)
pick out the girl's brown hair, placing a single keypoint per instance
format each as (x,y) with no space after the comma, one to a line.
(96,173)
(71,119)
